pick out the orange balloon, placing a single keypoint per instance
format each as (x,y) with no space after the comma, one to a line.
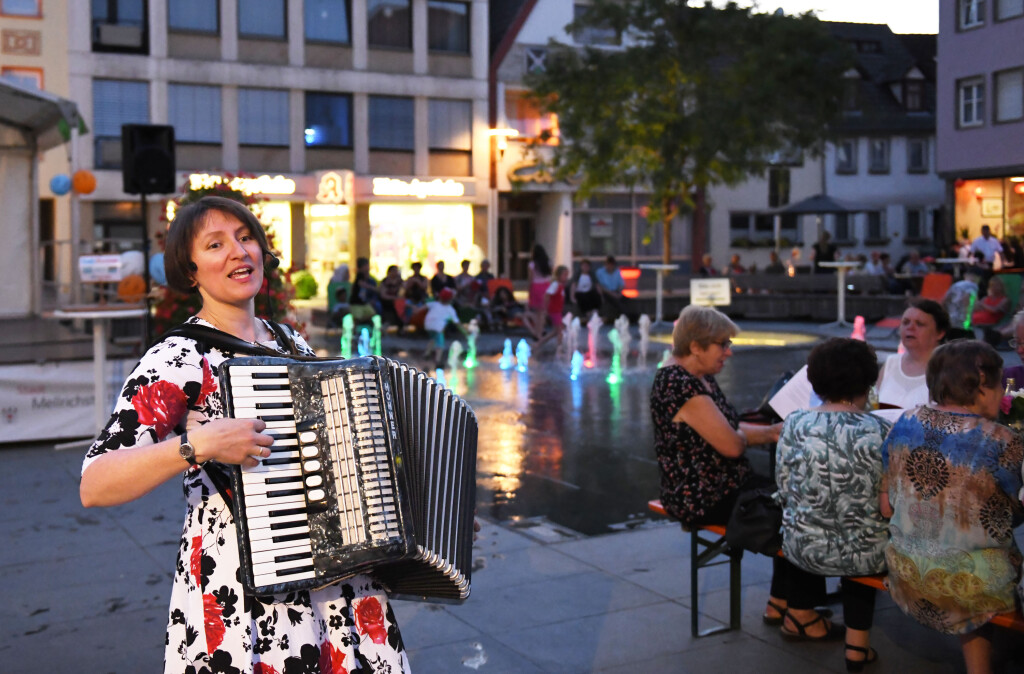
(83,182)
(132,288)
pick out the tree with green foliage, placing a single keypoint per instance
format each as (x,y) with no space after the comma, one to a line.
(696,96)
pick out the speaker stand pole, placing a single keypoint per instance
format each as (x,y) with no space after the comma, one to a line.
(147,324)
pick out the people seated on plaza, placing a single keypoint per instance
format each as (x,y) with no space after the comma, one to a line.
(554,303)
(610,284)
(440,320)
(707,266)
(416,287)
(365,297)
(700,442)
(341,306)
(1016,372)
(959,303)
(734,266)
(914,265)
(793,264)
(503,308)
(441,280)
(951,488)
(391,288)
(829,472)
(466,286)
(901,383)
(485,274)
(993,306)
(775,265)
(584,292)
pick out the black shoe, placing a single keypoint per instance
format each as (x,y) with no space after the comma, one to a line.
(870,656)
(833,632)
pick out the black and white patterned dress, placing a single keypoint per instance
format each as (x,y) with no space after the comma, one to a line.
(212,626)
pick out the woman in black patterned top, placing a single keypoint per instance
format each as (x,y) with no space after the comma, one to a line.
(700,442)
(217,248)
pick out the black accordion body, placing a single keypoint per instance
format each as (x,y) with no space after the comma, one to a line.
(373,466)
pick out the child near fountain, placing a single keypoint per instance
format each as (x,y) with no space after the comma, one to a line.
(440,315)
(554,302)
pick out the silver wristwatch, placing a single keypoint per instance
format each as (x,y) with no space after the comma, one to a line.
(187,451)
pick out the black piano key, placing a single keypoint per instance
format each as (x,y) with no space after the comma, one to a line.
(285,512)
(285,492)
(290,537)
(280,559)
(292,572)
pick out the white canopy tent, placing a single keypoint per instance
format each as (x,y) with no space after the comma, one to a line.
(31,122)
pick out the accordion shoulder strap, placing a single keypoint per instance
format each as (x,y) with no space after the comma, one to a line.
(228,342)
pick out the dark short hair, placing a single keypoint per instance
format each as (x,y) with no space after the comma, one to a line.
(933,309)
(958,370)
(184,229)
(842,368)
(416,265)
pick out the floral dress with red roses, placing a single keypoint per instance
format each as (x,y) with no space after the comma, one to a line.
(213,626)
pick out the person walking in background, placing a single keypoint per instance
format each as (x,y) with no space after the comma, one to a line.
(554,303)
(584,293)
(829,475)
(539,276)
(952,489)
(610,284)
(440,281)
(823,251)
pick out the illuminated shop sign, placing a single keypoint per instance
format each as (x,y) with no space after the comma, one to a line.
(421,189)
(259,185)
(334,187)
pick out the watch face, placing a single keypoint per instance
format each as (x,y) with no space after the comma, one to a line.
(187,451)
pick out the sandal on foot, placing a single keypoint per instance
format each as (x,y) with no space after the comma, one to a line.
(832,630)
(774,621)
(870,656)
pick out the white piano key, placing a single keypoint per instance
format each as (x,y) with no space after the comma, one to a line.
(265,522)
(272,578)
(256,489)
(296,547)
(278,569)
(244,393)
(256,500)
(258,369)
(285,470)
(275,398)
(272,511)
(258,536)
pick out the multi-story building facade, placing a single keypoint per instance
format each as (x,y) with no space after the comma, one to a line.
(980,114)
(362,122)
(880,161)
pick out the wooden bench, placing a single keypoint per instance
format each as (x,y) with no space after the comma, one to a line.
(1013,620)
(705,553)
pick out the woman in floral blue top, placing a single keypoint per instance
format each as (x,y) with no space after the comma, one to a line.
(698,438)
(216,247)
(952,485)
(829,474)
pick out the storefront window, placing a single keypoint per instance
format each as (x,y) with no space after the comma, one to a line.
(612,224)
(328,231)
(405,233)
(276,217)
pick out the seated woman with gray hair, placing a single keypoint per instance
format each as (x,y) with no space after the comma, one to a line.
(699,439)
(953,475)
(1016,372)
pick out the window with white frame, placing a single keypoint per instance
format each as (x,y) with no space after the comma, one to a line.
(263,117)
(1009,95)
(843,231)
(448,26)
(328,120)
(327,21)
(194,111)
(389,23)
(876,226)
(197,16)
(392,123)
(846,155)
(262,19)
(30,78)
(115,102)
(878,155)
(971,102)
(21,7)
(914,224)
(1009,9)
(758,229)
(119,26)
(972,13)
(917,155)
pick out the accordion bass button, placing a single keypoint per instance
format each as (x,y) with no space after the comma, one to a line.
(307,437)
(314,481)
(316,495)
(310,451)
(311,466)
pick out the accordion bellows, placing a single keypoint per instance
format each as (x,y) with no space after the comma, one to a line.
(373,467)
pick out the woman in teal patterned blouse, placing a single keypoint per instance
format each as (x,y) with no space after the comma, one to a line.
(829,474)
(953,476)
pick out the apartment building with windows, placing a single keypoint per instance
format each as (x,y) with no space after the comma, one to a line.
(362,122)
(980,114)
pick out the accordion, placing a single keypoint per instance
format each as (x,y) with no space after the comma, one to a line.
(373,466)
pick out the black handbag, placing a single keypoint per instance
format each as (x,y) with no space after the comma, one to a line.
(756,522)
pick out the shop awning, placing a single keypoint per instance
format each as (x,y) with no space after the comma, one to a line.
(35,119)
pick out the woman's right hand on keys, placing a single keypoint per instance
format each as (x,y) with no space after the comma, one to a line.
(237,441)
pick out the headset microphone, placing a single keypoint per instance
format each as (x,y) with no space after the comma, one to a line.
(271,261)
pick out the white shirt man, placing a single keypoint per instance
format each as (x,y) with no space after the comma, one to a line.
(987,245)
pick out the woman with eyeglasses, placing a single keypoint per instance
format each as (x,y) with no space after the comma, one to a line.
(699,439)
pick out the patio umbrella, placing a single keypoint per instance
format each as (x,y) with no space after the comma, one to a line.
(820,204)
